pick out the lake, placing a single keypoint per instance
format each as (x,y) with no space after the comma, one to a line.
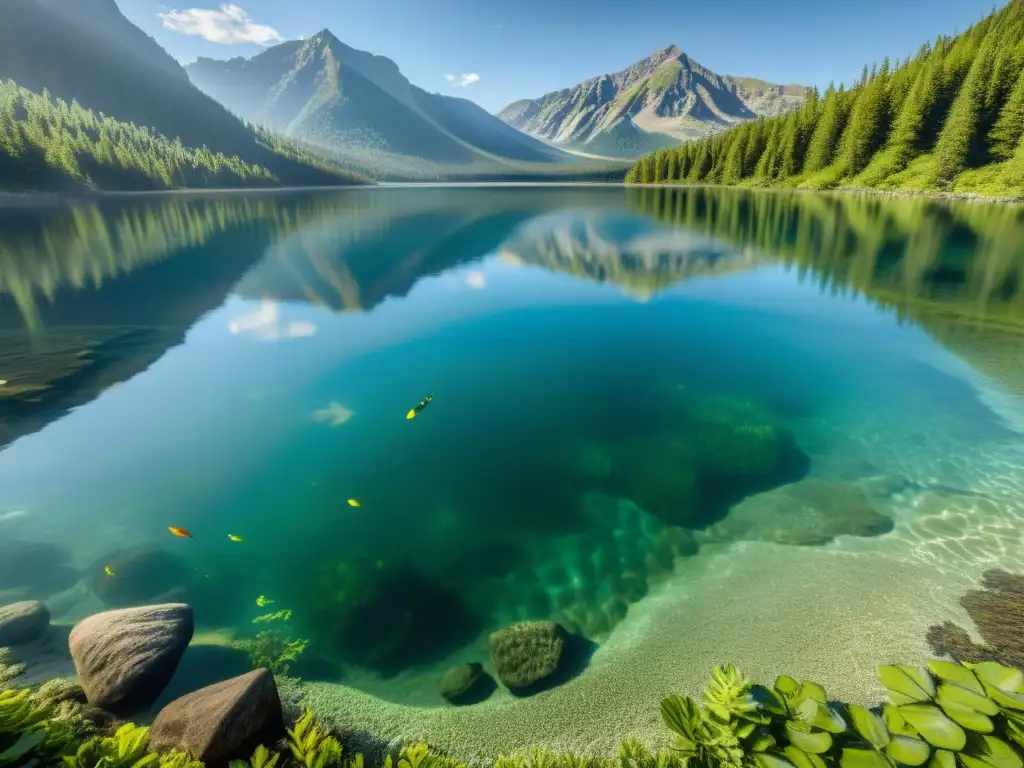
(690,425)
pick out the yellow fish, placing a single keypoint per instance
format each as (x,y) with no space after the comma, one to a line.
(414,412)
(108,570)
(233,537)
(263,600)
(354,503)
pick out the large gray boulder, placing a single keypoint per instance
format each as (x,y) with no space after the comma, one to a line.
(223,721)
(23,622)
(811,511)
(526,653)
(126,657)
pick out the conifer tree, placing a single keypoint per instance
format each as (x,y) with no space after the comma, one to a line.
(825,138)
(1009,128)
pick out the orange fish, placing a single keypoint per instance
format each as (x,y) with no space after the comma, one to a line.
(179,532)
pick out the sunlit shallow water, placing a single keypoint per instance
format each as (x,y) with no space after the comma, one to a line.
(692,426)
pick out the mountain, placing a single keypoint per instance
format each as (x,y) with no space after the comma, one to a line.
(87,52)
(655,103)
(362,108)
(949,119)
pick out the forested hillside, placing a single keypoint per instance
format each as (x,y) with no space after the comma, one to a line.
(48,144)
(950,118)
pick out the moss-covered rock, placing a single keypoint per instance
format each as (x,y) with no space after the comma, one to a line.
(142,574)
(466,684)
(526,653)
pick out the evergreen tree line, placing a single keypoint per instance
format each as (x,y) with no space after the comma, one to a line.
(49,144)
(949,118)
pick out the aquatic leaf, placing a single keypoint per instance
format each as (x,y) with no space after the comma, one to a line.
(828,719)
(989,752)
(801,736)
(908,751)
(787,686)
(998,676)
(1004,698)
(896,724)
(907,685)
(761,741)
(956,694)
(769,700)
(956,673)
(942,758)
(766,760)
(802,759)
(679,714)
(856,757)
(937,729)
(967,717)
(869,726)
(812,691)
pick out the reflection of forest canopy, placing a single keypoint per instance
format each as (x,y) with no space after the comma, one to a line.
(957,269)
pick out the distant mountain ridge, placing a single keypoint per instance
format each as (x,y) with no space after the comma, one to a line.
(655,103)
(361,107)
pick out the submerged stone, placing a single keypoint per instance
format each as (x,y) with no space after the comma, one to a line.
(145,573)
(466,684)
(125,658)
(812,511)
(23,622)
(527,652)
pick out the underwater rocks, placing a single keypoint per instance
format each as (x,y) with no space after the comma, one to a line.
(23,622)
(998,611)
(525,653)
(126,657)
(39,569)
(466,684)
(142,574)
(811,511)
(222,721)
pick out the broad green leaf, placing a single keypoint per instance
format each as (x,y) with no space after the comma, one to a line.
(998,676)
(787,686)
(769,700)
(813,691)
(828,719)
(1005,698)
(989,752)
(762,740)
(979,702)
(956,673)
(937,729)
(896,724)
(766,760)
(908,751)
(802,759)
(942,758)
(855,757)
(869,726)
(814,742)
(25,744)
(967,717)
(1015,732)
(907,684)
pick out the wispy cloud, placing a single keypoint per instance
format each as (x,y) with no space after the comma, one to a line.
(265,325)
(466,78)
(227,25)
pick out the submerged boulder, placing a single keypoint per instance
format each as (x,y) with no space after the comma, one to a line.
(528,652)
(811,511)
(23,622)
(126,657)
(222,721)
(142,574)
(466,684)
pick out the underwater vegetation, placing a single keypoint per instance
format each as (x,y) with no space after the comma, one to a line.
(274,648)
(998,612)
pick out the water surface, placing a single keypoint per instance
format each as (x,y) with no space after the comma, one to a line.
(623,381)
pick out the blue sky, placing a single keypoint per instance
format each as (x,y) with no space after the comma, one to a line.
(497,51)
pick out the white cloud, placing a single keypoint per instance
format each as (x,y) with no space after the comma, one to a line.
(475,279)
(265,325)
(466,78)
(227,25)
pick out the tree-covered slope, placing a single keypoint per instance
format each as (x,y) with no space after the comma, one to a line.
(48,145)
(87,52)
(949,119)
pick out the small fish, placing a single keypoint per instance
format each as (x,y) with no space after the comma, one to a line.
(263,600)
(108,570)
(422,404)
(179,532)
(354,503)
(233,537)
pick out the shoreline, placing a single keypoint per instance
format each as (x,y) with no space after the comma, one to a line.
(965,197)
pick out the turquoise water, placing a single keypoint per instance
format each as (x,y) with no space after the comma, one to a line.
(613,375)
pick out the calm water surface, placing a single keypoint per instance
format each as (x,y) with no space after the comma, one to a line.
(614,374)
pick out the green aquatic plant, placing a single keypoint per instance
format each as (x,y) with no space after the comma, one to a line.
(274,648)
(8,669)
(311,745)
(633,753)
(28,734)
(261,758)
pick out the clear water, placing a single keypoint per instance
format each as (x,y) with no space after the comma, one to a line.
(615,374)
